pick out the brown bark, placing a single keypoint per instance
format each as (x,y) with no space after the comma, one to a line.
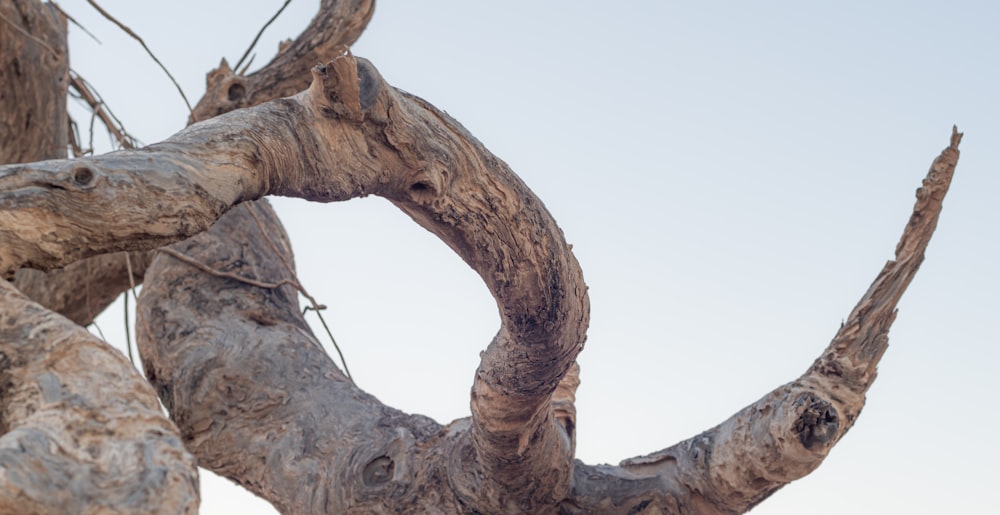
(34,72)
(257,400)
(82,290)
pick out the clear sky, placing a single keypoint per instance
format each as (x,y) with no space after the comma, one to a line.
(732,175)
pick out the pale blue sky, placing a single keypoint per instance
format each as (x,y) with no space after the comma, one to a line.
(732,176)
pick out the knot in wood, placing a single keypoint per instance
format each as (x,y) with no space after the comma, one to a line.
(378,471)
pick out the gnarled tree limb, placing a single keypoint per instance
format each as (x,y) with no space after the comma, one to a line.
(786,434)
(351,134)
(83,289)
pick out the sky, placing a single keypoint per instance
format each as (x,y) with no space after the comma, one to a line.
(732,176)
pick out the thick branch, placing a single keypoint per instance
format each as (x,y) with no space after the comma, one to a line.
(256,397)
(337,25)
(787,434)
(82,290)
(83,432)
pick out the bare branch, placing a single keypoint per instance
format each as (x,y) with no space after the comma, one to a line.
(136,37)
(786,434)
(338,23)
(259,34)
(83,432)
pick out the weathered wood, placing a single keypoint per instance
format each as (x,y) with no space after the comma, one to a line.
(34,72)
(82,431)
(82,290)
(257,400)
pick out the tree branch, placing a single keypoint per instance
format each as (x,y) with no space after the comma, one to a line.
(84,289)
(786,434)
(255,395)
(83,432)
(349,135)
(338,24)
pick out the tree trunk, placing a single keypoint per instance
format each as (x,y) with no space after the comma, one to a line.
(253,394)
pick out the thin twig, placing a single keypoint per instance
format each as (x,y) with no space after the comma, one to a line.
(97,105)
(246,66)
(128,333)
(316,306)
(259,34)
(228,275)
(74,22)
(74,136)
(99,331)
(135,36)
(131,276)
(90,132)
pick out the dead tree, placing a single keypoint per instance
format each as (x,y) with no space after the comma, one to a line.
(250,393)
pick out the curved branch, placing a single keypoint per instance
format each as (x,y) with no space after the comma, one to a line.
(83,289)
(786,434)
(256,397)
(349,135)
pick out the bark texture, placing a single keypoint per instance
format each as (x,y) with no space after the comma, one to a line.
(252,392)
(34,72)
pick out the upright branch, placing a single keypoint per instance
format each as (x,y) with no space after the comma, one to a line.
(787,433)
(34,72)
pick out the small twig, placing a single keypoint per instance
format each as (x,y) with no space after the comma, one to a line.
(329,333)
(131,276)
(259,34)
(99,331)
(99,108)
(228,275)
(316,306)
(136,37)
(128,333)
(245,67)
(90,131)
(74,136)
(74,22)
